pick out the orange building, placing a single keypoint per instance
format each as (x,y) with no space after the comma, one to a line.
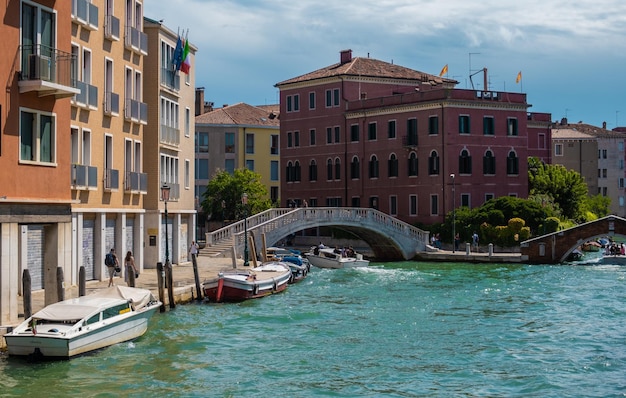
(35,195)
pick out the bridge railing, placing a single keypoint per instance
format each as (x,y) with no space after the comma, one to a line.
(288,221)
(229,231)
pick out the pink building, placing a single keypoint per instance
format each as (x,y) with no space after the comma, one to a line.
(367,133)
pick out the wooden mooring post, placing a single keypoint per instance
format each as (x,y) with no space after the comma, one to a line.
(26,291)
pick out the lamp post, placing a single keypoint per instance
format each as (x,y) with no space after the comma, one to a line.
(244,201)
(165,196)
(453,215)
(223,212)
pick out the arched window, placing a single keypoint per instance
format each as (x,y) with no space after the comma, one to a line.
(373,167)
(337,169)
(289,172)
(392,166)
(297,172)
(433,163)
(512,164)
(465,162)
(489,163)
(313,171)
(329,169)
(412,164)
(355,168)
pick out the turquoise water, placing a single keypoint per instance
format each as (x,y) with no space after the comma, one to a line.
(391,330)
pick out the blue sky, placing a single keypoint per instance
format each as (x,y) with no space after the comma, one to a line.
(572,53)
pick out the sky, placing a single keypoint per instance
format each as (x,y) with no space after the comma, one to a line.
(571,53)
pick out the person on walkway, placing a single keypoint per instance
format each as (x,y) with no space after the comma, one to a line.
(193,250)
(111,261)
(457,240)
(129,264)
(475,240)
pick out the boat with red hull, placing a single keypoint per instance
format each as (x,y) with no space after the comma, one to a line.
(240,285)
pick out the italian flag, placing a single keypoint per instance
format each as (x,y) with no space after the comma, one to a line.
(186,65)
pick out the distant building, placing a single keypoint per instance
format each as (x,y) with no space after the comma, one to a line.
(367,133)
(238,136)
(597,154)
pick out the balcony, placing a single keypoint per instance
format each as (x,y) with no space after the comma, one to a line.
(47,71)
(111,28)
(85,14)
(136,182)
(170,79)
(88,96)
(84,177)
(111,179)
(169,135)
(111,104)
(136,111)
(136,40)
(409,141)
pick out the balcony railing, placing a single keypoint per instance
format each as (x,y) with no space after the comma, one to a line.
(170,79)
(47,71)
(88,95)
(111,179)
(136,182)
(111,27)
(409,140)
(85,13)
(136,111)
(111,103)
(170,135)
(84,177)
(136,40)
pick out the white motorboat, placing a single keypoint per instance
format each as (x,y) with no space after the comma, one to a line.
(79,325)
(299,265)
(334,258)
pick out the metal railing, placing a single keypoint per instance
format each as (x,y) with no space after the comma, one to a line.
(169,135)
(136,182)
(41,62)
(84,177)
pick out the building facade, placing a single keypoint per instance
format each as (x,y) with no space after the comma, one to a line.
(169,141)
(598,155)
(109,116)
(238,136)
(35,199)
(366,133)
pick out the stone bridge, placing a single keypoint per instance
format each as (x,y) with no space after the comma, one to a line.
(388,237)
(554,248)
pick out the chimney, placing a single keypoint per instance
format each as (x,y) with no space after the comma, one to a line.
(346,56)
(199,101)
(564,121)
(604,125)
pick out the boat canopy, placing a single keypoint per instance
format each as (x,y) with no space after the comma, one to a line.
(81,307)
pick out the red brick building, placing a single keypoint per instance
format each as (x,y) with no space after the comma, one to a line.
(367,133)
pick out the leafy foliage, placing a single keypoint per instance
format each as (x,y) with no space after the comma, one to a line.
(567,188)
(223,196)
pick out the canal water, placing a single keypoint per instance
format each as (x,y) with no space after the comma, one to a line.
(406,329)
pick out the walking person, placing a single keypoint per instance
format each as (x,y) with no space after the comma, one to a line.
(193,250)
(475,240)
(129,264)
(112,263)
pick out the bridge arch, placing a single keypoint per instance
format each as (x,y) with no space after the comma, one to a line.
(555,247)
(388,237)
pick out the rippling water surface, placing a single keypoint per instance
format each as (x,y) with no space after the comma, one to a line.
(391,330)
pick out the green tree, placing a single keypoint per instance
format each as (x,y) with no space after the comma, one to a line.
(567,188)
(228,189)
(598,205)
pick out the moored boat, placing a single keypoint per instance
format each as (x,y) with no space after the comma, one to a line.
(299,265)
(239,285)
(80,325)
(335,258)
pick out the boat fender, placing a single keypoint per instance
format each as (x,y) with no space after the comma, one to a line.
(274,286)
(291,278)
(255,289)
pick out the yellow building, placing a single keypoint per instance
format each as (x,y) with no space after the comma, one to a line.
(109,117)
(235,137)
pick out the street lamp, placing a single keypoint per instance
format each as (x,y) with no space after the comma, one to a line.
(165,196)
(223,216)
(453,215)
(244,201)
